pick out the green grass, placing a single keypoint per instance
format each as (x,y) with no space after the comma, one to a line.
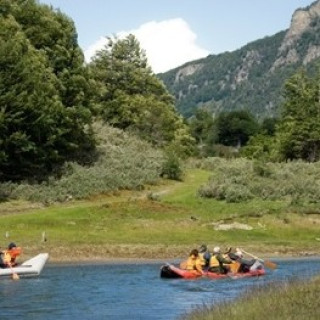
(179,218)
(294,301)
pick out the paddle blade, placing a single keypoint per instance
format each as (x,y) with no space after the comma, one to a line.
(15,276)
(234,267)
(269,264)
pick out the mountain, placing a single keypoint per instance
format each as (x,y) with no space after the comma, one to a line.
(251,77)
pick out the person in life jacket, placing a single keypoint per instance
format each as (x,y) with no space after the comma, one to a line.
(219,264)
(230,254)
(246,265)
(8,257)
(204,255)
(194,262)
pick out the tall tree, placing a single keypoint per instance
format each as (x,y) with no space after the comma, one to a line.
(29,107)
(299,131)
(38,132)
(131,96)
(54,33)
(235,128)
(201,125)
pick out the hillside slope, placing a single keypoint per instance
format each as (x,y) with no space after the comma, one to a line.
(252,76)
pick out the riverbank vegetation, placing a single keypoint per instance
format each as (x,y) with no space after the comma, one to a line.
(241,179)
(119,166)
(293,300)
(164,221)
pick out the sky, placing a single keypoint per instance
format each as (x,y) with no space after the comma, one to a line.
(173,32)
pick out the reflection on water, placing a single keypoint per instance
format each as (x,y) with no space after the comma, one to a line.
(131,291)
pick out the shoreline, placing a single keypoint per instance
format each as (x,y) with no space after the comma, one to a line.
(135,254)
(115,261)
(112,261)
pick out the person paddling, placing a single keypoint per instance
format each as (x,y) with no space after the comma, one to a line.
(204,255)
(8,257)
(194,262)
(218,264)
(245,264)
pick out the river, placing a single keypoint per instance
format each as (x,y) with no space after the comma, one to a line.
(126,291)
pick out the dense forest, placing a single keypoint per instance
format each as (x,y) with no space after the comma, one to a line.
(113,123)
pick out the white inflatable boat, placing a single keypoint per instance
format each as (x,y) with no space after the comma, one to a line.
(29,268)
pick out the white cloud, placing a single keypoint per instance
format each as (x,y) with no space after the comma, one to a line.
(168,44)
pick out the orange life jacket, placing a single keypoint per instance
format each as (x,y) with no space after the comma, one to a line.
(9,256)
(15,252)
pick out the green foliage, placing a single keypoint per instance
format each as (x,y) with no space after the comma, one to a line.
(299,131)
(224,134)
(235,128)
(53,33)
(124,163)
(293,300)
(201,125)
(39,128)
(240,180)
(261,146)
(132,97)
(172,167)
(261,170)
(31,114)
(268,126)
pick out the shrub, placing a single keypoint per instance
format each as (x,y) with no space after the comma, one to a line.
(172,167)
(241,179)
(125,162)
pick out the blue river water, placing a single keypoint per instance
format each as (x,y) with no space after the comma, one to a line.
(127,291)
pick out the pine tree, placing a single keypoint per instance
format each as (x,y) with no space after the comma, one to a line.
(299,130)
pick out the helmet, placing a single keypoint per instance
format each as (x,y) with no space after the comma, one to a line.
(203,248)
(216,249)
(239,254)
(11,245)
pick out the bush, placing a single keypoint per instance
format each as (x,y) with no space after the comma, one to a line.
(241,179)
(172,167)
(125,162)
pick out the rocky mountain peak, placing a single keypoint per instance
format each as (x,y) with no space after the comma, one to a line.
(300,22)
(253,76)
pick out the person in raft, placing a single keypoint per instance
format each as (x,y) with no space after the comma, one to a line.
(194,262)
(204,255)
(218,263)
(245,264)
(8,257)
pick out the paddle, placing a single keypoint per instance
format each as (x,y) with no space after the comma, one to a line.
(269,264)
(234,267)
(14,276)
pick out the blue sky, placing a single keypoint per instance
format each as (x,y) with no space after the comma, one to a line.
(173,32)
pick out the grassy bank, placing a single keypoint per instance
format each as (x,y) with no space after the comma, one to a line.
(164,221)
(291,301)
